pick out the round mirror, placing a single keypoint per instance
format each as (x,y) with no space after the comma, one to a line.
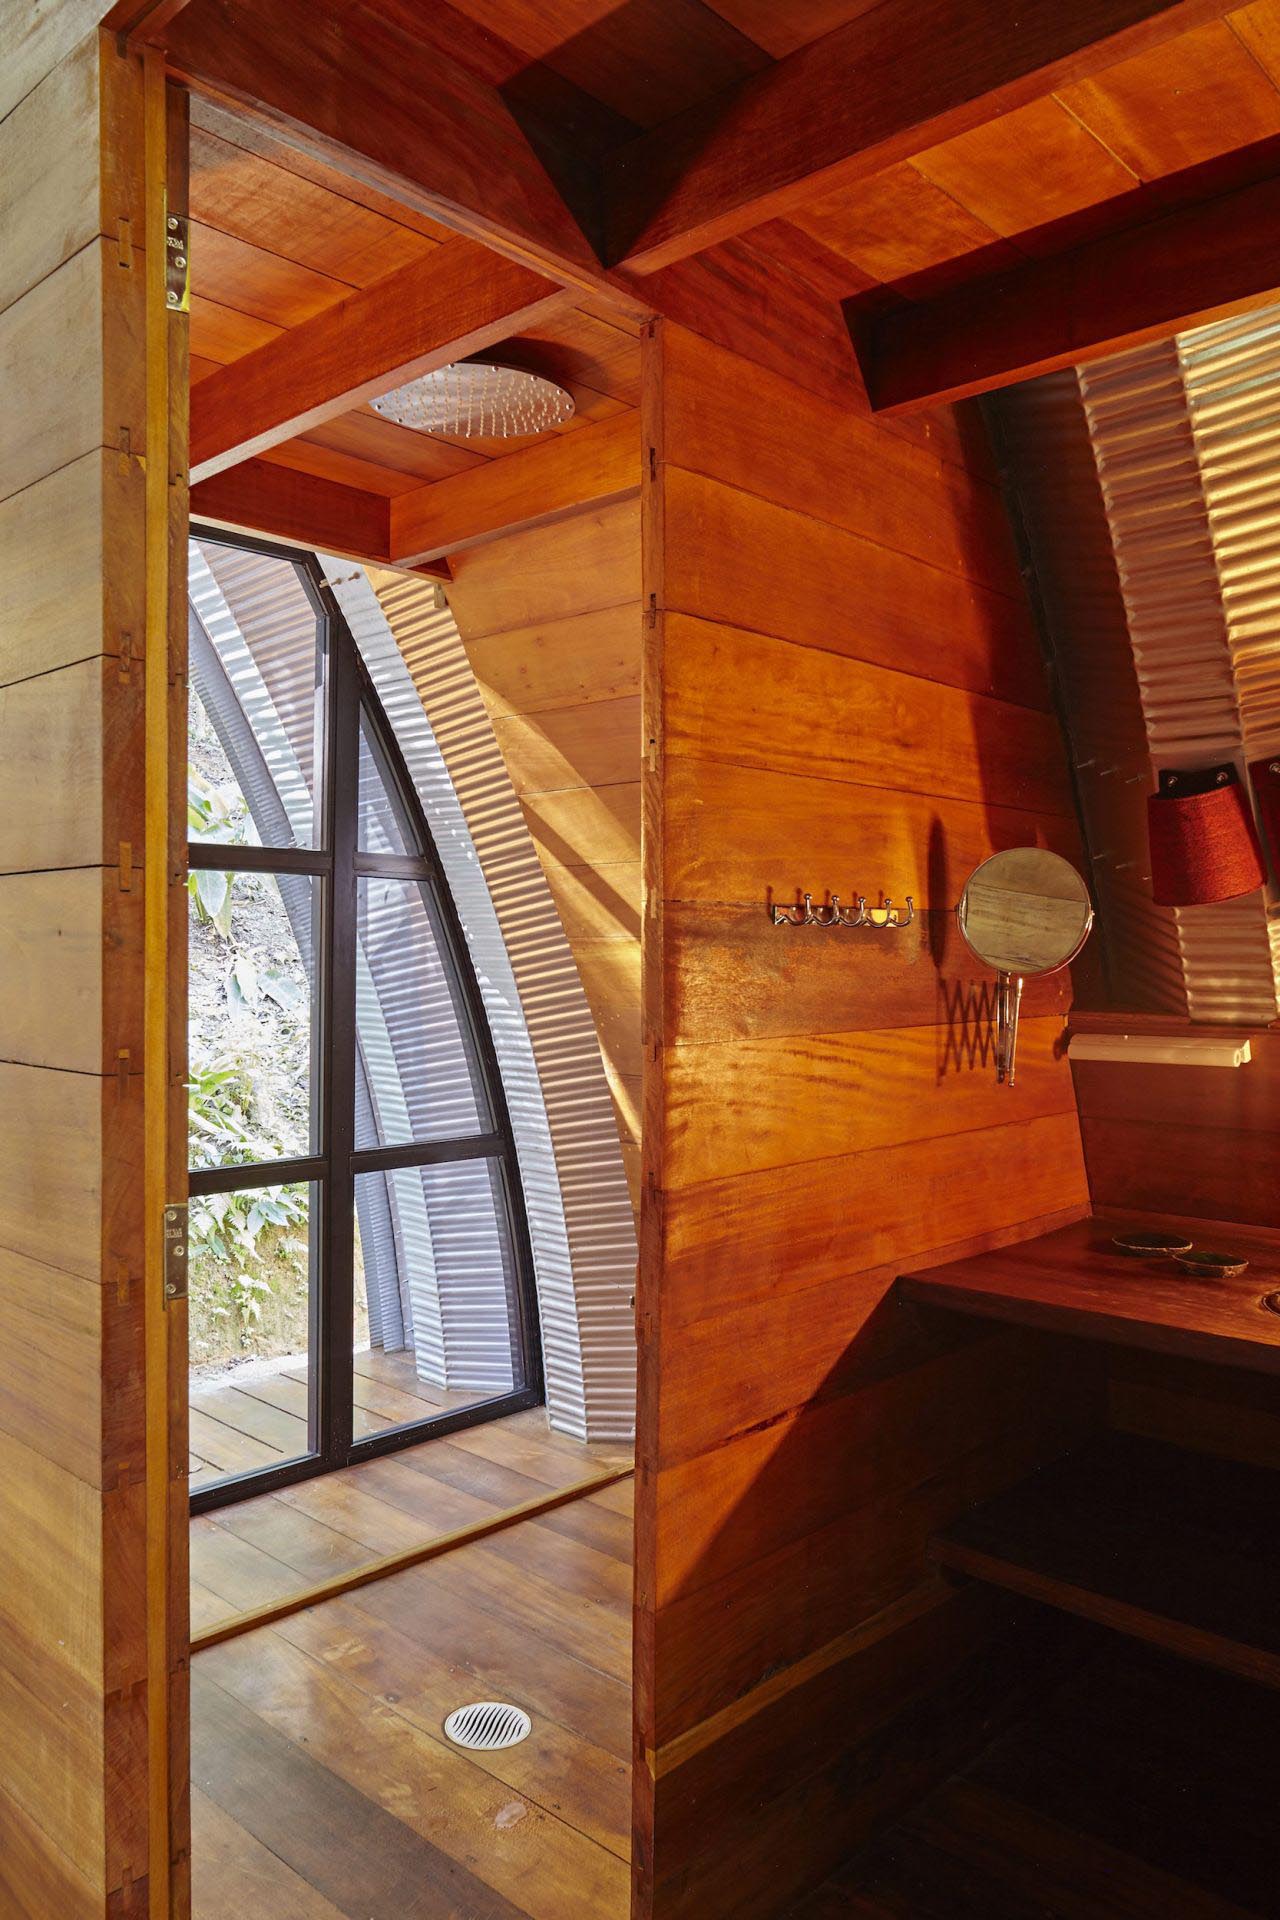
(1025,911)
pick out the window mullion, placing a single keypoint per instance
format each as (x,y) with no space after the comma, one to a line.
(337,1289)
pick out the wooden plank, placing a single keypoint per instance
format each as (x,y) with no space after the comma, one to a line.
(245,194)
(59,604)
(797,1429)
(1183,269)
(457,300)
(899,223)
(585,564)
(444,1805)
(557,663)
(1146,1539)
(596,466)
(260,496)
(861,722)
(1075,1282)
(56,376)
(793,1099)
(1188,101)
(880,89)
(397,110)
(1216,1173)
(388,1564)
(292,1803)
(1034,165)
(725,569)
(558,1769)
(841,468)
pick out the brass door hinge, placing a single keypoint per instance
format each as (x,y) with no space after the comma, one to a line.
(177,264)
(175,1253)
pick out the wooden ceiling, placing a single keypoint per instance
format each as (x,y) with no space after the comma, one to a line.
(897,173)
(277,238)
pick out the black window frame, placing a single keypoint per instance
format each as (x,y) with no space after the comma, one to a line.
(338,863)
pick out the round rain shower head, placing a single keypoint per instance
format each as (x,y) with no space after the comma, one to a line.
(477,401)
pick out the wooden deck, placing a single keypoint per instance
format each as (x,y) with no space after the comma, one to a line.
(273,1545)
(258,1417)
(323,1788)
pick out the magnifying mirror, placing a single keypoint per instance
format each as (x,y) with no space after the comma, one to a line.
(1022,911)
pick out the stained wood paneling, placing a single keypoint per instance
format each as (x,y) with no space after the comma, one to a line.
(800,1437)
(551,621)
(1192,1141)
(78,1676)
(1197,96)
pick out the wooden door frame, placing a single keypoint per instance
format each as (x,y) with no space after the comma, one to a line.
(164,1171)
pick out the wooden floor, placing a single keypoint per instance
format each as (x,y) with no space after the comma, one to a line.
(1142,1789)
(272,1545)
(323,1788)
(257,1416)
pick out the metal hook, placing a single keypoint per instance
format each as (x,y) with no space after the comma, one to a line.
(801,916)
(884,919)
(892,921)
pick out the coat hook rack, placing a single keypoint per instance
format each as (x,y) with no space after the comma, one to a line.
(887,918)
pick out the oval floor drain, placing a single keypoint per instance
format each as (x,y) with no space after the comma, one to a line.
(487,1725)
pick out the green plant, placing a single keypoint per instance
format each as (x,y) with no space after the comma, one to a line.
(234,1235)
(217,814)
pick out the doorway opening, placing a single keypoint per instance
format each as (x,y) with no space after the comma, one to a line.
(360,1268)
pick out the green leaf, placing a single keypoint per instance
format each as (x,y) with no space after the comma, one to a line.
(242,982)
(288,994)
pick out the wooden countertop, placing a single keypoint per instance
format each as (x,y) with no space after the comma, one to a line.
(1075,1282)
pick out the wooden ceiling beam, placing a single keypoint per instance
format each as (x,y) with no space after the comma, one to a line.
(456,300)
(1143,283)
(589,466)
(893,82)
(301,509)
(391,108)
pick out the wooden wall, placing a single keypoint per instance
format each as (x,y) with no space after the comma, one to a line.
(843,690)
(77,1710)
(1203,1142)
(551,622)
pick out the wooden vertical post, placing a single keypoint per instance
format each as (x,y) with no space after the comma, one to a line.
(93,1640)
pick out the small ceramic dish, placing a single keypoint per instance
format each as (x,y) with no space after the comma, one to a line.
(1152,1246)
(1211,1266)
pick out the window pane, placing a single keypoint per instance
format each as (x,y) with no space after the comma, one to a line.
(257,708)
(251,1283)
(381,827)
(417,1073)
(251,1016)
(436,1300)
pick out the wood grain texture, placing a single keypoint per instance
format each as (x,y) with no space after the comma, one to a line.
(1176,270)
(877,90)
(396,107)
(1075,1281)
(550,616)
(262,497)
(457,300)
(528,488)
(1210,1150)
(332,1718)
(88,1647)
(797,1428)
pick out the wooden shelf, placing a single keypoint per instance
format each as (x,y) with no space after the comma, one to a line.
(1075,1282)
(1175,1548)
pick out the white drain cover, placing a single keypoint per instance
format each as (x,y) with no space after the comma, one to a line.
(487,1725)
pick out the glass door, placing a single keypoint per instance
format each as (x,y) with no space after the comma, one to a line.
(360,1271)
